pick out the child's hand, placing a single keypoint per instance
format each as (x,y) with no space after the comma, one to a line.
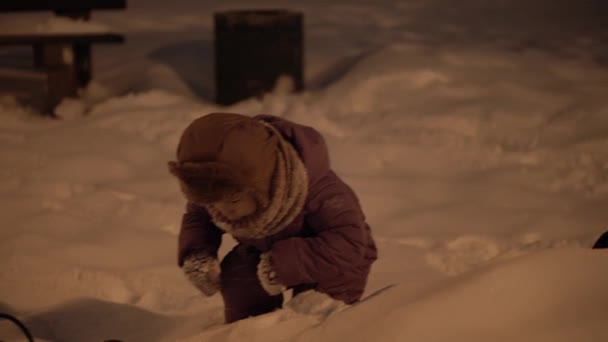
(203,271)
(268,277)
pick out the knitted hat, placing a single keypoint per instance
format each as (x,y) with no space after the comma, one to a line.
(221,154)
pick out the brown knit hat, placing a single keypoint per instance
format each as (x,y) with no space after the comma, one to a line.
(221,154)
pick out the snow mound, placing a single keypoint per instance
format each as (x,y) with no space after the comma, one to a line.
(303,312)
(557,295)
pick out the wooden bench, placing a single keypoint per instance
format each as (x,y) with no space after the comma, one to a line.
(64,58)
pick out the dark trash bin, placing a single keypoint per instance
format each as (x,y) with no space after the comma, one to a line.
(253,49)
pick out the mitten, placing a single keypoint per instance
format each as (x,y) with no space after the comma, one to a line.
(268,277)
(203,271)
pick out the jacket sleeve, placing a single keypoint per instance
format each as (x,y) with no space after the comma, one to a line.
(339,241)
(197,234)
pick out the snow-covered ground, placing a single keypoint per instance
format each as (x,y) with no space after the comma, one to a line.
(48,25)
(476,136)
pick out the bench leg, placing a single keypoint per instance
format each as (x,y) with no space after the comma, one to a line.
(78,55)
(82,64)
(58,62)
(54,55)
(38,56)
(59,85)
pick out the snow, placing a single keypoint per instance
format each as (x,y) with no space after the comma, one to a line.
(494,304)
(49,24)
(475,136)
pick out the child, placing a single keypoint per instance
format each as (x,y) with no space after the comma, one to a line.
(267,182)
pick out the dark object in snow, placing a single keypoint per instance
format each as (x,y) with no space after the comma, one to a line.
(256,51)
(602,242)
(64,59)
(18,323)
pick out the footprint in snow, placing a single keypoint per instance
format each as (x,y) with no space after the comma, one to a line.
(462,254)
(414,242)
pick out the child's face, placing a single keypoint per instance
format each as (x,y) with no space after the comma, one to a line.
(236,207)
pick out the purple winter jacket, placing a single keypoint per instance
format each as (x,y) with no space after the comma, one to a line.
(328,244)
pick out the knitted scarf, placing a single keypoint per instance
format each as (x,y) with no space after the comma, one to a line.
(289,188)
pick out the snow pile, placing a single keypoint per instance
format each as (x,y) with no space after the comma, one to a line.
(301,314)
(556,295)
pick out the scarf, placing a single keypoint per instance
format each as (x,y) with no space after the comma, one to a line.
(288,191)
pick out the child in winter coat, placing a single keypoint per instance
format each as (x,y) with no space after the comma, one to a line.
(267,182)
